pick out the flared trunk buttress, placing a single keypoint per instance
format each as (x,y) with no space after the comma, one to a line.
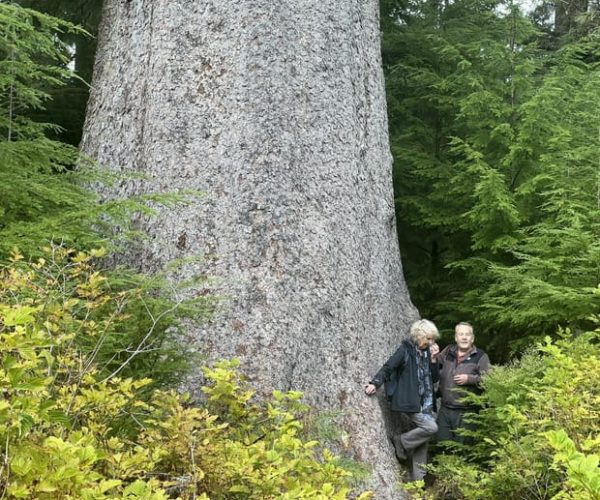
(276,111)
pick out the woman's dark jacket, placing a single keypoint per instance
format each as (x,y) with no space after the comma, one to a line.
(399,373)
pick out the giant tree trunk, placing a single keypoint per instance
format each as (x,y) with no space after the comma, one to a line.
(275,110)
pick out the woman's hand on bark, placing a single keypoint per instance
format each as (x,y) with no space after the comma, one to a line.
(370,389)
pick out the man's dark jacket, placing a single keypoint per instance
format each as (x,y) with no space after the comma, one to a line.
(399,373)
(474,365)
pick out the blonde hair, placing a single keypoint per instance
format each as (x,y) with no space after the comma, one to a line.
(422,328)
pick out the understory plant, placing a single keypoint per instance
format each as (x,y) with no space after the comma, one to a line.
(75,426)
(538,430)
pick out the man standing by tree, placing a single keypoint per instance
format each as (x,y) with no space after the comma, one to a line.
(409,376)
(461,368)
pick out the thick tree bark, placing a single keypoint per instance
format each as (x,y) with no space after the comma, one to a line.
(276,111)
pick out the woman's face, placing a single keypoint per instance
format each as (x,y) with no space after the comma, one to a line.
(426,341)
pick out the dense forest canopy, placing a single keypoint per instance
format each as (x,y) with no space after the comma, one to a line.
(494,131)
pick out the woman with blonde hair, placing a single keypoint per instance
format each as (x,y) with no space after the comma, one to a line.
(409,376)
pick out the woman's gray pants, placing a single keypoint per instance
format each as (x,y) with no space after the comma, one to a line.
(415,441)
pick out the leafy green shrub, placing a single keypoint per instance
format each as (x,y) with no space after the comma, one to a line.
(127,324)
(582,477)
(72,429)
(538,429)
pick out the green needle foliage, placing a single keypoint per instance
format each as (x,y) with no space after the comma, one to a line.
(35,178)
(44,183)
(496,168)
(68,104)
(553,272)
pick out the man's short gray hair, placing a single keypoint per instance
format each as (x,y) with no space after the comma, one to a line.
(464,323)
(423,328)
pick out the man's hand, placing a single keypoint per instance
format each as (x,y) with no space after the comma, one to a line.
(461,379)
(434,350)
(370,389)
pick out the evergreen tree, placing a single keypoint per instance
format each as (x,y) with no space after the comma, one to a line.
(68,103)
(35,181)
(557,271)
(455,94)
(495,144)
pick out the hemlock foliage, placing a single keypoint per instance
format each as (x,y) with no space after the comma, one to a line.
(37,184)
(68,102)
(45,184)
(495,141)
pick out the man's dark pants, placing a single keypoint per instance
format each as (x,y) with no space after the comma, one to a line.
(449,420)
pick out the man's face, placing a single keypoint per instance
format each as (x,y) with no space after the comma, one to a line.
(463,335)
(426,341)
